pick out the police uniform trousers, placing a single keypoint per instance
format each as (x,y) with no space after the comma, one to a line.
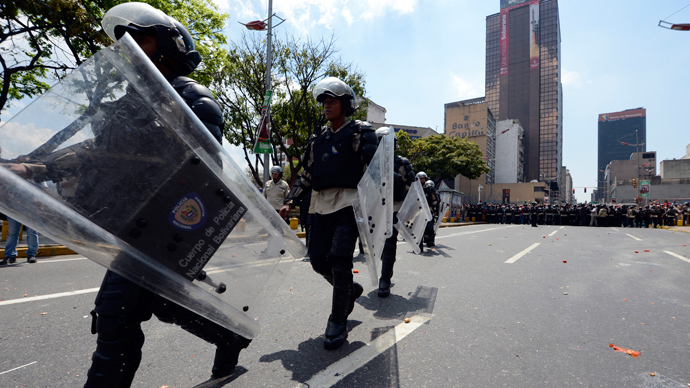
(333,240)
(121,307)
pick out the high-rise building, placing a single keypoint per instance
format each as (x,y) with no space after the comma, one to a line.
(620,135)
(472,120)
(523,81)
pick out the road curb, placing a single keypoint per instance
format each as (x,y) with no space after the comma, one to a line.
(58,250)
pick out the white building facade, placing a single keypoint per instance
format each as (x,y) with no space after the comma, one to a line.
(510,151)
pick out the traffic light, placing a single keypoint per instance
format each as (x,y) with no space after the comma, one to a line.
(573,191)
(634,183)
(585,189)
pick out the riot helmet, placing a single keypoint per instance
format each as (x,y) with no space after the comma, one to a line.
(277,170)
(430,184)
(333,87)
(383,131)
(421,175)
(175,44)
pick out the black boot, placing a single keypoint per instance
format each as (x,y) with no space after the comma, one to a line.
(228,344)
(336,329)
(4,261)
(336,334)
(384,287)
(227,356)
(386,275)
(431,242)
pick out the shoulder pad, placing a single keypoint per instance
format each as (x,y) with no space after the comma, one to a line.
(202,103)
(364,125)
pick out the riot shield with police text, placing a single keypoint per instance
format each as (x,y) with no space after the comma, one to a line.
(138,184)
(374,207)
(413,216)
(443,207)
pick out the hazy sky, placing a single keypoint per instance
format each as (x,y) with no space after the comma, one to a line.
(421,54)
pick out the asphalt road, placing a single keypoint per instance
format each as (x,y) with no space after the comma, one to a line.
(492,306)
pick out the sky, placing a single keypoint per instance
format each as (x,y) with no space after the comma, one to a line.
(418,55)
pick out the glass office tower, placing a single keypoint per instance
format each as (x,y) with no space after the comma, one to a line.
(523,81)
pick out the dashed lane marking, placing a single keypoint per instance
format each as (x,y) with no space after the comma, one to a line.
(338,371)
(552,233)
(677,256)
(51,296)
(630,235)
(519,255)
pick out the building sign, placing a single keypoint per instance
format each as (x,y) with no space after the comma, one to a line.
(504,43)
(506,6)
(628,114)
(468,126)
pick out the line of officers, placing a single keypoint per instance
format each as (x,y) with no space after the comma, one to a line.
(655,214)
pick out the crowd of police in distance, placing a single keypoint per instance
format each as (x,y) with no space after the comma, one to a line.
(655,214)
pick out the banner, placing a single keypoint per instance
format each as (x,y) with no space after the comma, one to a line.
(263,142)
(534,36)
(506,7)
(504,42)
(644,188)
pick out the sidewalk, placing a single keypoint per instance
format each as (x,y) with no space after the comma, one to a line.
(48,247)
(684,229)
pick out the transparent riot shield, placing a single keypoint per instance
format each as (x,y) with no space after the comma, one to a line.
(413,216)
(443,208)
(137,184)
(374,207)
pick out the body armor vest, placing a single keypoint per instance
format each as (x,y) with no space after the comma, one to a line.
(336,164)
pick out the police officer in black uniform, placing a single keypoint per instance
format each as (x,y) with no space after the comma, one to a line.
(403,176)
(334,162)
(121,305)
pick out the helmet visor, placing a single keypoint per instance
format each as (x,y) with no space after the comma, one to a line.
(137,14)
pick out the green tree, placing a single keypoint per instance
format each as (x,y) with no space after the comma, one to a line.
(442,157)
(297,65)
(43,40)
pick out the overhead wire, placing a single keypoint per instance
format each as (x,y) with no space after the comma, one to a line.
(676,12)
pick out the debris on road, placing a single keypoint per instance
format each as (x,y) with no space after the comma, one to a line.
(355,271)
(407,320)
(634,353)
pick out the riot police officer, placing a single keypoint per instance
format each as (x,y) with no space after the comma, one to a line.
(121,305)
(433,200)
(334,162)
(403,176)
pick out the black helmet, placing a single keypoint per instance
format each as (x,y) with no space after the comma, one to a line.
(333,87)
(175,44)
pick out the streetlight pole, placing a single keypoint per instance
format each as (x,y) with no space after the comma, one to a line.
(268,84)
(637,148)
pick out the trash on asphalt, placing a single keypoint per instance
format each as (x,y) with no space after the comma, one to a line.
(634,353)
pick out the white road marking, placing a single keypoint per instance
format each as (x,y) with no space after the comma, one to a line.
(630,235)
(338,371)
(51,296)
(59,260)
(475,231)
(519,255)
(19,367)
(615,229)
(552,233)
(677,256)
(561,227)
